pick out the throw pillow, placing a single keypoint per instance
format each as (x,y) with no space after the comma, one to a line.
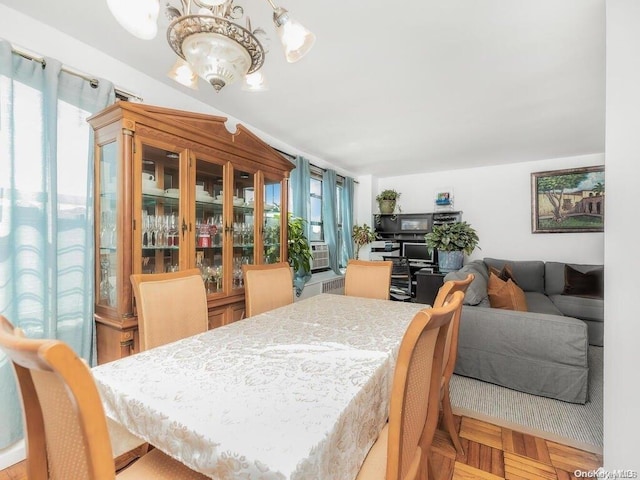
(506,294)
(589,284)
(505,274)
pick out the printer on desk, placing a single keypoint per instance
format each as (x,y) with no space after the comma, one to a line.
(384,248)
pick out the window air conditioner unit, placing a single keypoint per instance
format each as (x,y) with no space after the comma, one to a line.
(320,256)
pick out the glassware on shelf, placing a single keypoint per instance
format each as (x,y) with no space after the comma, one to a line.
(205,273)
(217,277)
(173,236)
(107,290)
(203,236)
(107,230)
(160,231)
(214,230)
(238,281)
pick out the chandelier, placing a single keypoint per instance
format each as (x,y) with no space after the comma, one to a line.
(208,41)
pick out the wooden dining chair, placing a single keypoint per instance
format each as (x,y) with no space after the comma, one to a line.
(368,279)
(401,451)
(267,287)
(170,306)
(66,430)
(445,295)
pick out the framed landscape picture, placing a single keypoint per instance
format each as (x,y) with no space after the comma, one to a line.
(565,201)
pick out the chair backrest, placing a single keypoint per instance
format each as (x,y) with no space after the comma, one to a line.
(267,287)
(415,395)
(66,429)
(170,306)
(445,294)
(369,279)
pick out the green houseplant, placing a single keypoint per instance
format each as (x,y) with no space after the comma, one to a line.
(361,235)
(299,252)
(452,241)
(387,200)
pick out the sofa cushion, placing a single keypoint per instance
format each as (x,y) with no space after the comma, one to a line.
(504,274)
(529,274)
(540,303)
(505,295)
(588,284)
(583,308)
(554,275)
(477,290)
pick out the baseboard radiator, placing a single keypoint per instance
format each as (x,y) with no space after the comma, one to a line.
(332,285)
(335,286)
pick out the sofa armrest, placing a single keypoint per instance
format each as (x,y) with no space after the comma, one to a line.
(477,290)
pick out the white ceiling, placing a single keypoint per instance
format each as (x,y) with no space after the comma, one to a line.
(398,88)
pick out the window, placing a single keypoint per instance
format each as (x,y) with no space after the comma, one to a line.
(315,214)
(316,232)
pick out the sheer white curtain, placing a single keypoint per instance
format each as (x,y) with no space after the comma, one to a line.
(46,210)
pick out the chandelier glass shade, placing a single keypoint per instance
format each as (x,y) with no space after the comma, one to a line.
(217,49)
(211,44)
(296,39)
(182,73)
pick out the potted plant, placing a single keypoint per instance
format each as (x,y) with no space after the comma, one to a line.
(452,241)
(361,235)
(299,252)
(387,200)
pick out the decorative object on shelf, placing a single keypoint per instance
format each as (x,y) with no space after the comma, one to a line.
(570,200)
(299,253)
(443,199)
(208,41)
(361,235)
(452,241)
(387,201)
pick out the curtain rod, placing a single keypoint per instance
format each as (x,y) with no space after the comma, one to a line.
(292,157)
(94,82)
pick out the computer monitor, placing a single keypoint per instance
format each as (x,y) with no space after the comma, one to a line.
(417,253)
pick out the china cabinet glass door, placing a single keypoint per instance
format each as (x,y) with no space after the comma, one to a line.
(271,220)
(243,228)
(210,224)
(108,225)
(161,232)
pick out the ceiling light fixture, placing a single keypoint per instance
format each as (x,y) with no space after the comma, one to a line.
(209,41)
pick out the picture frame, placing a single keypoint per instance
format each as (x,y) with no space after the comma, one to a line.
(568,201)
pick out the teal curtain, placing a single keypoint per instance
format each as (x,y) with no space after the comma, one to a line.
(46,210)
(329,218)
(300,182)
(346,205)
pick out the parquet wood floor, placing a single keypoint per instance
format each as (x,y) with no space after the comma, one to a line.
(498,453)
(491,453)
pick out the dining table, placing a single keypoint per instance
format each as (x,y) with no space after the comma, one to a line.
(298,392)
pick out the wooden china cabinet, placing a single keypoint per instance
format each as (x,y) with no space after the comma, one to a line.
(176,190)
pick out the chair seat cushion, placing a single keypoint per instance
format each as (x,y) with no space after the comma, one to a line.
(155,465)
(375,465)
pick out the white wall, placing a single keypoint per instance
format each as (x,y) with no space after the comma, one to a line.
(622,325)
(496,201)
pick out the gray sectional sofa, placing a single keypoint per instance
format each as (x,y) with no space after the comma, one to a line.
(542,351)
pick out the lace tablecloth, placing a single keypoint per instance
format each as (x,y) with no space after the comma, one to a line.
(300,392)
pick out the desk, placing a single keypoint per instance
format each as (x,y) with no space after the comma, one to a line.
(300,392)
